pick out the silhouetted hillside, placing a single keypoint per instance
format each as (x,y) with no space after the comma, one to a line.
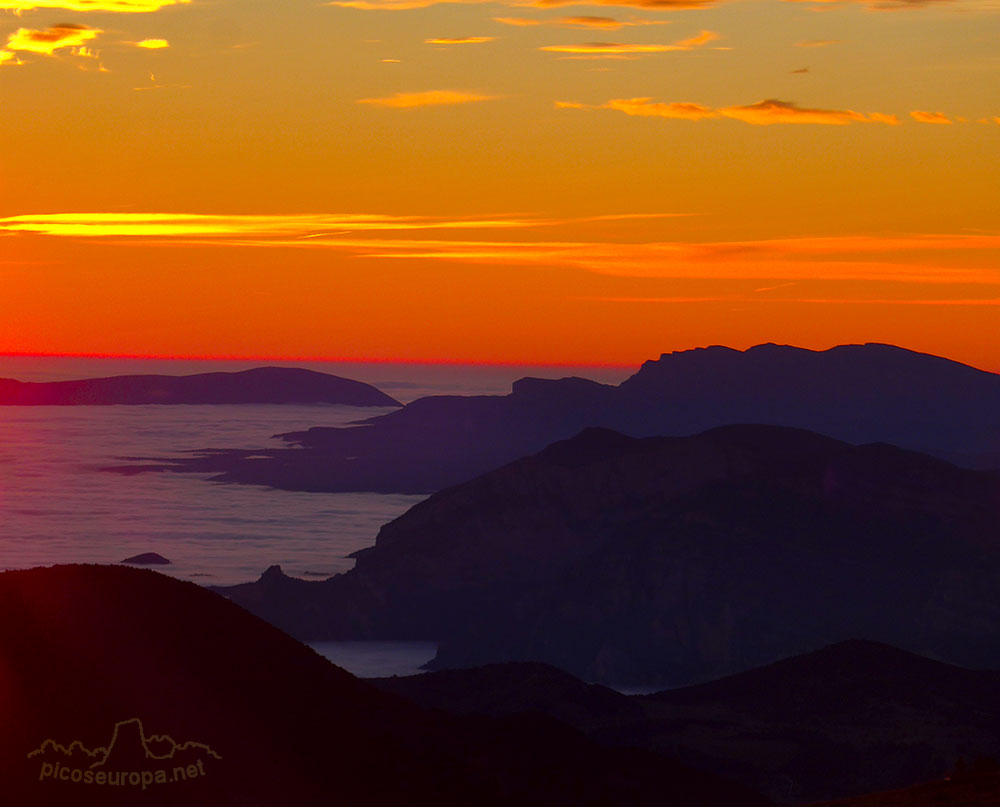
(976,789)
(673,560)
(854,717)
(120,686)
(272,385)
(857,393)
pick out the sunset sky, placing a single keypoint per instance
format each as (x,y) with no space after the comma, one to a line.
(523,181)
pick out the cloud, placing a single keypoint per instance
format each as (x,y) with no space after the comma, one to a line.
(593,22)
(525,22)
(619,48)
(150,44)
(801,70)
(882,5)
(647,108)
(121,6)
(407,100)
(703,38)
(47,42)
(763,113)
(9,58)
(306,226)
(771,111)
(816,43)
(900,258)
(462,40)
(403,5)
(925,259)
(652,5)
(605,48)
(929,117)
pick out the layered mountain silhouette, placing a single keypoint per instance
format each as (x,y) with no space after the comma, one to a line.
(850,718)
(857,393)
(120,686)
(262,385)
(674,560)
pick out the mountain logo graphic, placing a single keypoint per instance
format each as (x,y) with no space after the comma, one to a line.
(130,758)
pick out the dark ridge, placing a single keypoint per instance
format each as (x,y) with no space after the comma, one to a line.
(514,688)
(856,393)
(261,385)
(147,559)
(854,717)
(129,671)
(667,561)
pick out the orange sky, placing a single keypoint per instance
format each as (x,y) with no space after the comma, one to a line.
(470,181)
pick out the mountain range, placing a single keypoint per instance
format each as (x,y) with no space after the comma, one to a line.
(842,721)
(194,701)
(856,393)
(666,561)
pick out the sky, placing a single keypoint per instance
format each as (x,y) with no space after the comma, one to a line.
(532,181)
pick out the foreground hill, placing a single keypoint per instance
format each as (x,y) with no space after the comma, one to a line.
(857,393)
(673,560)
(974,789)
(262,385)
(121,686)
(851,718)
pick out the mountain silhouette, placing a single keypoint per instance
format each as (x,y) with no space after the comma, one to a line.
(976,789)
(854,717)
(101,666)
(261,385)
(856,393)
(665,561)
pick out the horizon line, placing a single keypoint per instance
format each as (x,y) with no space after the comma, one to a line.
(315,359)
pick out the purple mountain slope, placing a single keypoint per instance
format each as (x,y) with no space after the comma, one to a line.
(273,385)
(856,393)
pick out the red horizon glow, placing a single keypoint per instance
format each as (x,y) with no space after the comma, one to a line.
(314,359)
(449,362)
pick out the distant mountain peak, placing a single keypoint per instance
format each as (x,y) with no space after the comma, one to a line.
(261,385)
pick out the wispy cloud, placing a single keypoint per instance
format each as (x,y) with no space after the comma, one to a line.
(150,44)
(910,259)
(763,113)
(701,38)
(816,43)
(459,40)
(882,5)
(592,22)
(651,5)
(404,5)
(605,48)
(922,116)
(935,259)
(409,100)
(647,108)
(772,111)
(104,225)
(620,48)
(306,226)
(120,6)
(47,42)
